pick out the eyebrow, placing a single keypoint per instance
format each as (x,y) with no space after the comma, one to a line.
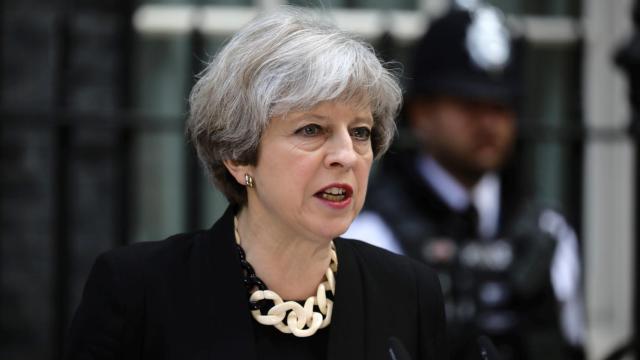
(367,119)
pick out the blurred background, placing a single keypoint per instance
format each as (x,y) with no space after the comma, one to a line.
(92,153)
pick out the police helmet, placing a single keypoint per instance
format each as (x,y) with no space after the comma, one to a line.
(469,52)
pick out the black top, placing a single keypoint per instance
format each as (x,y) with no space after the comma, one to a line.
(272,344)
(183,298)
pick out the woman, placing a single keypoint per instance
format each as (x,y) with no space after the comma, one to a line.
(286,120)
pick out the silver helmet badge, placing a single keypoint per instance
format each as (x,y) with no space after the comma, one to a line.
(488,39)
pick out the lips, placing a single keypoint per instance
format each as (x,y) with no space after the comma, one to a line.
(335,193)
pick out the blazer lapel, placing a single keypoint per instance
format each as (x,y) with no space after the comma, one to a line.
(233,331)
(347,329)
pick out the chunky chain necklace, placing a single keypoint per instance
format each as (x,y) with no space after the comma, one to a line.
(268,308)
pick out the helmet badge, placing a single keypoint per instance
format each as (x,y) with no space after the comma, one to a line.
(488,39)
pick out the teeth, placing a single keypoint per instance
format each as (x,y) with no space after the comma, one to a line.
(332,197)
(334,194)
(335,191)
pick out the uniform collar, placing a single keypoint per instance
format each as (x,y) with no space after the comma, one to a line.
(485,196)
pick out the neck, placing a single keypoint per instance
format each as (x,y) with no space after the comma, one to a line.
(288,263)
(468,181)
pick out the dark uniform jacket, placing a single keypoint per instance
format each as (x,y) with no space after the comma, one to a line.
(183,298)
(498,287)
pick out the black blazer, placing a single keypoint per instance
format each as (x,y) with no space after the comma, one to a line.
(183,298)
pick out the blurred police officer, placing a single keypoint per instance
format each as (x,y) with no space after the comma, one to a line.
(509,268)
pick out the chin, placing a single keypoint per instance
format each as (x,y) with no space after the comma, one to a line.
(331,231)
(332,224)
(490,160)
(483,164)
(335,232)
(489,166)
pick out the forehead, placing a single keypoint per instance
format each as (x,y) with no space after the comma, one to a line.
(359,97)
(332,110)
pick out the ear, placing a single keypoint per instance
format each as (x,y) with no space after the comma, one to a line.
(237,170)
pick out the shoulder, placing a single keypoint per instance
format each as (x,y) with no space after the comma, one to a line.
(179,248)
(543,222)
(126,271)
(408,291)
(152,253)
(125,286)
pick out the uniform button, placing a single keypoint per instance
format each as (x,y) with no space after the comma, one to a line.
(439,250)
(494,294)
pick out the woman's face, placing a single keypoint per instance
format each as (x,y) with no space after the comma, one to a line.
(312,170)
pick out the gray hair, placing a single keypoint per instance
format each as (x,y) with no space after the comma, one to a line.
(288,60)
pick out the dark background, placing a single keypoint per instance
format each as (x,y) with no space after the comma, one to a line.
(75,117)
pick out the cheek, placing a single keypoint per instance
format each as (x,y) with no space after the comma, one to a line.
(360,197)
(363,181)
(278,164)
(507,131)
(362,175)
(451,128)
(456,136)
(298,170)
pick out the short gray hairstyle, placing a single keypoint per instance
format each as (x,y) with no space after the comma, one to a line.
(287,60)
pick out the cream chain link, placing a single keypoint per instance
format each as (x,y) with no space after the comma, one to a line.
(302,321)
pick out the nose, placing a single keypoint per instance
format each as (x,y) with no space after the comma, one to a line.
(485,121)
(489,114)
(340,151)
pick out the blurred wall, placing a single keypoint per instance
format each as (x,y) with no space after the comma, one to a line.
(64,75)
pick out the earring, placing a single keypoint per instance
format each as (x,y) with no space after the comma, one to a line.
(248,180)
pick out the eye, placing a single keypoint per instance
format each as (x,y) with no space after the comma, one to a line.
(309,130)
(361,133)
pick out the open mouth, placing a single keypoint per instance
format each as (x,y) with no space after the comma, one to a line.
(335,193)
